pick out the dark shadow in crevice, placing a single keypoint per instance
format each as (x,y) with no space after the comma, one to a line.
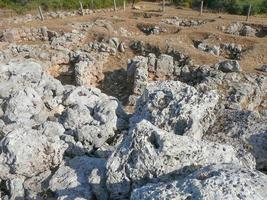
(115,84)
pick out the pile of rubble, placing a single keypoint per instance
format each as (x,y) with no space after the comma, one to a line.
(183,138)
(52,15)
(27,34)
(84,63)
(177,21)
(230,51)
(238,28)
(41,121)
(151,29)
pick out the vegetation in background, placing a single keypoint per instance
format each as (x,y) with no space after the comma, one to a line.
(22,6)
(232,6)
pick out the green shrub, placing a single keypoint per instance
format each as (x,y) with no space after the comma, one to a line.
(21,6)
(232,6)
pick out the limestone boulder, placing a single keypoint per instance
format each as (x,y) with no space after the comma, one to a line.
(177,108)
(80,178)
(28,152)
(225,181)
(148,154)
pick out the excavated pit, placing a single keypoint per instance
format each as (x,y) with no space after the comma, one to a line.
(64,73)
(116,84)
(154,29)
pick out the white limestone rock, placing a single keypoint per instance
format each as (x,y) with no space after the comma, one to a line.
(28,152)
(148,153)
(25,106)
(164,66)
(93,117)
(248,31)
(224,181)
(177,108)
(245,130)
(75,179)
(36,185)
(89,68)
(228,66)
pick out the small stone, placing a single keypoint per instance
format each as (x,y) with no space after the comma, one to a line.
(228,66)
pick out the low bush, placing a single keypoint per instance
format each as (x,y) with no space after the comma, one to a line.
(232,6)
(21,6)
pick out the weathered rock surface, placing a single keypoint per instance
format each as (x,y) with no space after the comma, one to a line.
(231,51)
(93,117)
(238,91)
(11,35)
(263,68)
(177,108)
(200,138)
(177,21)
(149,154)
(37,186)
(234,28)
(43,123)
(224,181)
(237,28)
(164,66)
(137,74)
(80,178)
(24,106)
(247,31)
(141,70)
(214,50)
(28,157)
(229,66)
(89,68)
(244,130)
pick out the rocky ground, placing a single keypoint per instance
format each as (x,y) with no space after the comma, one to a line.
(135,104)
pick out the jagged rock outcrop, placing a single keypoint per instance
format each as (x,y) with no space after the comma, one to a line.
(225,181)
(177,108)
(25,91)
(237,28)
(43,123)
(89,68)
(214,50)
(80,178)
(28,157)
(177,21)
(150,154)
(244,130)
(92,117)
(228,66)
(196,131)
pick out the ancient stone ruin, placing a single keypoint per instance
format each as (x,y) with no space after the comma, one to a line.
(115,107)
